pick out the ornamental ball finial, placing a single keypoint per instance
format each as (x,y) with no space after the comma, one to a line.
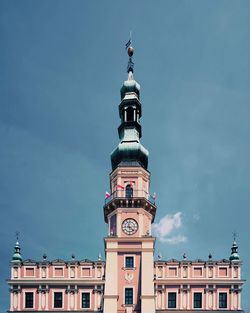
(130,51)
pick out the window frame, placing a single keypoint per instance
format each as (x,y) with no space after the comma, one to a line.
(194,300)
(125,297)
(33,300)
(125,262)
(89,293)
(54,292)
(54,271)
(219,300)
(175,300)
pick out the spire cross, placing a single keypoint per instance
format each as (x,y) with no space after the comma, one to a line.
(234,235)
(130,51)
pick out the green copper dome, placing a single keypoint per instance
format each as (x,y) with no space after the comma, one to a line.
(130,85)
(129,153)
(17,255)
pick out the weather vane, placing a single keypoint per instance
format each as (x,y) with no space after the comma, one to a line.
(130,51)
(17,235)
(234,235)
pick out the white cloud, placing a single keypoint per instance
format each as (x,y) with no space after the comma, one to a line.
(166,226)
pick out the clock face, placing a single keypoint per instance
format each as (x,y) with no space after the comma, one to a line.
(129,226)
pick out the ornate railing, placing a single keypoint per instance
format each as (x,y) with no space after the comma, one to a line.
(135,194)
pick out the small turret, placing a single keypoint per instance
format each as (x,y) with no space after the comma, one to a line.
(17,252)
(234,250)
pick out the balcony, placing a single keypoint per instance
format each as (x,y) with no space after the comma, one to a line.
(129,199)
(129,196)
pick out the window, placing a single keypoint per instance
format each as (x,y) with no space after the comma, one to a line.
(172,271)
(30,271)
(128,295)
(129,191)
(223,271)
(197,271)
(130,114)
(58,299)
(197,300)
(223,300)
(85,300)
(85,271)
(129,261)
(29,300)
(172,300)
(58,271)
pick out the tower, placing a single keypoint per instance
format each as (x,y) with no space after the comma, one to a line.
(129,213)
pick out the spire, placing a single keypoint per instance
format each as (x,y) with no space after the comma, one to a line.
(130,152)
(234,249)
(17,255)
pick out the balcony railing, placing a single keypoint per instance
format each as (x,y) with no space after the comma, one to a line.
(130,195)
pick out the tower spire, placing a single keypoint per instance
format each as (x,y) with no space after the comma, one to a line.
(130,152)
(17,250)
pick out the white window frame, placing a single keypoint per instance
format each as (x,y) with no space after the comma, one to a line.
(53,300)
(198,267)
(124,261)
(124,288)
(88,267)
(90,300)
(227,307)
(24,298)
(54,271)
(176,303)
(172,267)
(202,300)
(223,267)
(28,276)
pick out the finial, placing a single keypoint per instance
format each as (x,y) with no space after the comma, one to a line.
(130,51)
(72,256)
(44,256)
(234,235)
(184,256)
(210,256)
(99,257)
(17,235)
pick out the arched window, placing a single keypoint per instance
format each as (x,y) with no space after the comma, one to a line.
(129,191)
(130,114)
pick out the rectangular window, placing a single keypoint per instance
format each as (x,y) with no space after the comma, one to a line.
(223,271)
(128,295)
(58,271)
(85,300)
(172,271)
(129,261)
(85,271)
(223,300)
(197,271)
(30,271)
(172,300)
(197,300)
(29,300)
(58,300)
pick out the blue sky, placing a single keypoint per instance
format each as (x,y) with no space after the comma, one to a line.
(62,64)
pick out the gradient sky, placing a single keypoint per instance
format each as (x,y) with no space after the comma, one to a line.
(62,64)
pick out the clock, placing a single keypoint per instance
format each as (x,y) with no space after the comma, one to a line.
(129,226)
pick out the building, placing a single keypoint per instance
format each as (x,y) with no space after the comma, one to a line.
(129,280)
